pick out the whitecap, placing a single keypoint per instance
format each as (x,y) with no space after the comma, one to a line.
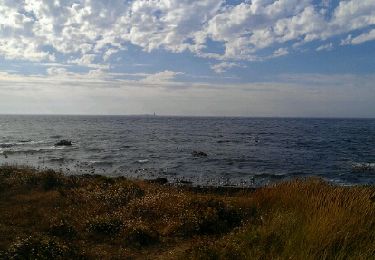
(363,167)
(143,161)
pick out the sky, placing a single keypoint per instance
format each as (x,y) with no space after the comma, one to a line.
(266,58)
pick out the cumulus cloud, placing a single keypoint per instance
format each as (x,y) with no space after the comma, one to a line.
(161,77)
(365,37)
(224,66)
(90,31)
(325,47)
(280,52)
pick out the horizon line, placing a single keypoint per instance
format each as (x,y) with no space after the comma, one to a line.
(195,116)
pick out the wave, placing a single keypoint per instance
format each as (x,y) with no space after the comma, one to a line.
(57,160)
(20,142)
(33,150)
(99,162)
(143,161)
(363,167)
(56,136)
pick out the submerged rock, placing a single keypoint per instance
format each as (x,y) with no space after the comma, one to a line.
(199,154)
(64,143)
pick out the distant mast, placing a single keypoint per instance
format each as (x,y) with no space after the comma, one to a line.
(154,114)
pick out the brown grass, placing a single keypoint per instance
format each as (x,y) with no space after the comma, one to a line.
(46,215)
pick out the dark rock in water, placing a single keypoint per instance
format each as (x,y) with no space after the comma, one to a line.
(64,143)
(25,141)
(185,182)
(159,181)
(199,154)
(6,145)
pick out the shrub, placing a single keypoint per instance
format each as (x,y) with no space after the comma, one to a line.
(51,180)
(62,229)
(118,195)
(2,186)
(105,225)
(202,251)
(140,236)
(48,180)
(208,216)
(37,248)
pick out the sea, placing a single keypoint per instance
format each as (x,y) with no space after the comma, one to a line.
(207,151)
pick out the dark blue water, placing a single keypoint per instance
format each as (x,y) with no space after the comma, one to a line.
(241,151)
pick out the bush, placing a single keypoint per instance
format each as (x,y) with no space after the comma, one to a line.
(48,180)
(105,225)
(118,195)
(202,251)
(2,186)
(51,180)
(208,217)
(140,236)
(62,229)
(38,248)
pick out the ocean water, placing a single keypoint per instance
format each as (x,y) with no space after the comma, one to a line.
(241,151)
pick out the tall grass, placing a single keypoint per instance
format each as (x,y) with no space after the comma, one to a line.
(59,216)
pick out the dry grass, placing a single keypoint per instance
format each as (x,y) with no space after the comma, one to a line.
(46,215)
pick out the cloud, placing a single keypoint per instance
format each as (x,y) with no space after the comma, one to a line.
(224,66)
(90,31)
(161,77)
(325,47)
(365,37)
(96,78)
(286,95)
(280,52)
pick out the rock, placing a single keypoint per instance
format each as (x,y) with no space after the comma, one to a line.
(185,182)
(199,154)
(160,181)
(64,143)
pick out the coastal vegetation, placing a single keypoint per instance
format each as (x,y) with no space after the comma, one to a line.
(48,215)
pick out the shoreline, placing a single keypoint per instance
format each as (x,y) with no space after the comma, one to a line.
(45,214)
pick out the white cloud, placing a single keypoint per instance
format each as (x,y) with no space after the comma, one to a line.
(280,52)
(347,40)
(365,37)
(161,77)
(325,47)
(224,66)
(39,30)
(288,95)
